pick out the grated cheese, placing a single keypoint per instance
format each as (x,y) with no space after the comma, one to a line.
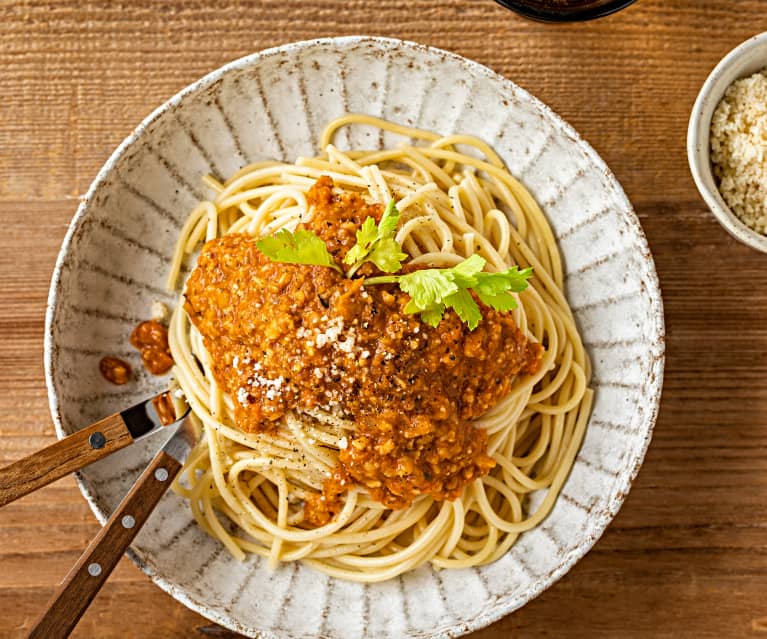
(739,149)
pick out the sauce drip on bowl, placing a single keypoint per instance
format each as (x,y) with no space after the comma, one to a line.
(284,337)
(115,370)
(151,339)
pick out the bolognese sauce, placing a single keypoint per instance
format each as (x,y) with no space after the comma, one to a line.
(151,340)
(115,370)
(284,337)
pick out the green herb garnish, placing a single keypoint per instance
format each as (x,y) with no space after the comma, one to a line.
(301,247)
(432,291)
(376,244)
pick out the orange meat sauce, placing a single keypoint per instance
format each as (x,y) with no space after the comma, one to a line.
(115,370)
(150,338)
(284,336)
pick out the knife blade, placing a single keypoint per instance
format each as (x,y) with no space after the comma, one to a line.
(88,445)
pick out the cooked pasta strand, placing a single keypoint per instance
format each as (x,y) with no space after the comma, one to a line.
(453,205)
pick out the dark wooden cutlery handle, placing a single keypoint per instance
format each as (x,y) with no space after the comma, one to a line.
(65,456)
(90,572)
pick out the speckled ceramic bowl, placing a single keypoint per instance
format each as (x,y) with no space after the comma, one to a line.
(743,61)
(273,105)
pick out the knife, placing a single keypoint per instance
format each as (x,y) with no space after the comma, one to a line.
(85,579)
(86,446)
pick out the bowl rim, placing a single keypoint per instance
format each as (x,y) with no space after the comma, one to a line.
(575,14)
(656,352)
(698,140)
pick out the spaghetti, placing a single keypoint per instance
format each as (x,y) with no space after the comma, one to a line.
(250,489)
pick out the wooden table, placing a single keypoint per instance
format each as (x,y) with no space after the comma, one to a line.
(687,555)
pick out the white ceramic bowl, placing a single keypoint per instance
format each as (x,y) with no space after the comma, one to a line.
(272,105)
(743,61)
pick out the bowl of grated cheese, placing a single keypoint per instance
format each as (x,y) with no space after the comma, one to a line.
(727,142)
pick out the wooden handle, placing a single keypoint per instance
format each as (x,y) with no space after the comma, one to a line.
(65,456)
(90,572)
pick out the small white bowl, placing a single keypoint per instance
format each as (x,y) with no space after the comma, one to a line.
(743,61)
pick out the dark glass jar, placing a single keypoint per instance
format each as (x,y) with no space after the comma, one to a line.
(564,10)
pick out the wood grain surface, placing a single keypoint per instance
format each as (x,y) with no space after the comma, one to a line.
(687,555)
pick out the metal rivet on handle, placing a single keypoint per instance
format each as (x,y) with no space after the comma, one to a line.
(94,569)
(128,521)
(161,474)
(97,440)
